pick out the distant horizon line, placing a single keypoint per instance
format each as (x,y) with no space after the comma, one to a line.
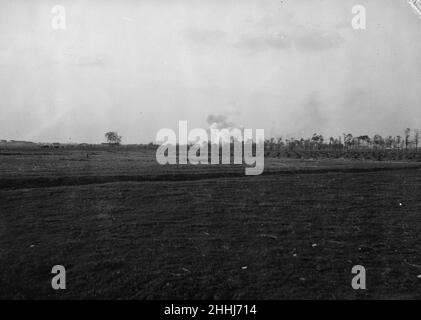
(413,133)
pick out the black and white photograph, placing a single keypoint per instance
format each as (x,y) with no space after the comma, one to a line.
(210,150)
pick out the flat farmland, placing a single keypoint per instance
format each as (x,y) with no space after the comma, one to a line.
(126,227)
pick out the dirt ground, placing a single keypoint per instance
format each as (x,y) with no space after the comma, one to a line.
(125,227)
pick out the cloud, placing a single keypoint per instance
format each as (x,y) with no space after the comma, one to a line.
(219,121)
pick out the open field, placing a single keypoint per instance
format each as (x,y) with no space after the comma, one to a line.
(125,227)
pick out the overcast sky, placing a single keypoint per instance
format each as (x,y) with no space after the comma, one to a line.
(289,67)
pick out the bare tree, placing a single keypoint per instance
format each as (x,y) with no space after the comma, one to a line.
(348,140)
(416,138)
(398,141)
(272,144)
(280,143)
(407,135)
(389,142)
(377,140)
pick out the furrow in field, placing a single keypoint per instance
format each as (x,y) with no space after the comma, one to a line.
(45,182)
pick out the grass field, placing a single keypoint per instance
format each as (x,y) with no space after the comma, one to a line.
(125,227)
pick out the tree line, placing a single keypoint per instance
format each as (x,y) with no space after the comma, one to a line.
(409,140)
